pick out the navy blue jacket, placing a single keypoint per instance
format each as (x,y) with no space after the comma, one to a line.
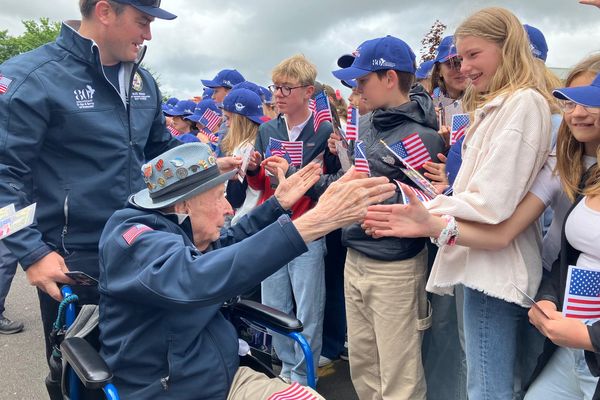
(161,331)
(70,141)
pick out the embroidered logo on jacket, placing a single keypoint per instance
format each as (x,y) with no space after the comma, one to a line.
(132,233)
(84,98)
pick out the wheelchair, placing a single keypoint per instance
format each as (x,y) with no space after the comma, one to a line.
(84,369)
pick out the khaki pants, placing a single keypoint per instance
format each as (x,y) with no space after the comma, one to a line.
(387,312)
(251,385)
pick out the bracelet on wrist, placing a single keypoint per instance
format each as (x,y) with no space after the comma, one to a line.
(449,234)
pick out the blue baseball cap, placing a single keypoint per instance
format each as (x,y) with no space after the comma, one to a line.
(424,69)
(183,107)
(266,95)
(201,108)
(588,96)
(226,78)
(246,103)
(207,93)
(150,7)
(446,50)
(379,54)
(537,42)
(169,104)
(250,86)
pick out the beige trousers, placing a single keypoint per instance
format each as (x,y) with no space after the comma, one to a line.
(387,312)
(251,385)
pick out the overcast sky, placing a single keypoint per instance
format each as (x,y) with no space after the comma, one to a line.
(254,35)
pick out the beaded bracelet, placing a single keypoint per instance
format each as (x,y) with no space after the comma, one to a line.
(449,234)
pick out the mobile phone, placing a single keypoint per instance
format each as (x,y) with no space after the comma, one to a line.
(81,278)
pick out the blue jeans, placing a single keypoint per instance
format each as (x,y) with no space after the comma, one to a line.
(566,376)
(8,267)
(302,281)
(491,333)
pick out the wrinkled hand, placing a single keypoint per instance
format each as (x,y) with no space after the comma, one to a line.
(47,272)
(444,132)
(561,331)
(400,220)
(346,202)
(291,189)
(436,172)
(334,137)
(353,174)
(274,163)
(254,162)
(590,2)
(227,164)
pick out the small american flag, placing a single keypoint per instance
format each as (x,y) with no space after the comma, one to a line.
(174,132)
(321,110)
(282,147)
(360,157)
(211,136)
(210,119)
(582,294)
(4,84)
(352,123)
(293,392)
(132,233)
(421,195)
(412,150)
(460,123)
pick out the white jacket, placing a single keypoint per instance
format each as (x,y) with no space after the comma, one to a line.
(503,151)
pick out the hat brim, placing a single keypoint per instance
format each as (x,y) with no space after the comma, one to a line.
(193,117)
(350,84)
(213,84)
(345,61)
(154,11)
(350,73)
(256,118)
(446,58)
(588,96)
(142,198)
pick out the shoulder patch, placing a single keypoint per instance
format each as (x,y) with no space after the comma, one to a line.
(4,83)
(132,233)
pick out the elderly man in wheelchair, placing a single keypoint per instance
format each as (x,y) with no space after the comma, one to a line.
(167,267)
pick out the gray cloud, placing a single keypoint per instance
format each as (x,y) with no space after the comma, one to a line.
(253,36)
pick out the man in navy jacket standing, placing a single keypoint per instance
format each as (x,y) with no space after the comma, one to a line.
(78,117)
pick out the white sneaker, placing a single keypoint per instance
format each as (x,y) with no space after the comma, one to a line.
(323,361)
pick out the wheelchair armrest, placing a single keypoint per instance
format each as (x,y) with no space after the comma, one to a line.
(86,362)
(266,316)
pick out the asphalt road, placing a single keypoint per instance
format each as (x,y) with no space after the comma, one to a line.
(22,365)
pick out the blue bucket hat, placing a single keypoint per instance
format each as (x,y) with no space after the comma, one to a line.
(588,96)
(150,7)
(201,108)
(179,174)
(446,50)
(424,69)
(379,54)
(169,104)
(537,42)
(226,78)
(246,103)
(183,107)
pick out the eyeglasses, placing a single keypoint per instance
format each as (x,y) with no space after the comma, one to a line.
(285,90)
(568,106)
(453,63)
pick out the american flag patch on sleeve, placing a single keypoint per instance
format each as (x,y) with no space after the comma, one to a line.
(132,233)
(4,84)
(294,392)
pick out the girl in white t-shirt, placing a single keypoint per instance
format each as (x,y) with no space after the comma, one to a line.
(566,375)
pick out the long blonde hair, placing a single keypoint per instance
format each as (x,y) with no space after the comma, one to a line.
(241,130)
(517,69)
(569,151)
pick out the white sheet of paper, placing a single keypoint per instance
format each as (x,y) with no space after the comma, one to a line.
(246,153)
(342,152)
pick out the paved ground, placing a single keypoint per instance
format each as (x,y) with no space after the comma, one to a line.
(22,365)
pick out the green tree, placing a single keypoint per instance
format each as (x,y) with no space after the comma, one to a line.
(35,35)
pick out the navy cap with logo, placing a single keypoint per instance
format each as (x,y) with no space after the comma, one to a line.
(537,42)
(201,108)
(379,54)
(183,107)
(226,78)
(246,103)
(424,69)
(587,96)
(150,7)
(179,174)
(446,50)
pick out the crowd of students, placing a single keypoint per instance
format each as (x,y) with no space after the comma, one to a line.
(375,292)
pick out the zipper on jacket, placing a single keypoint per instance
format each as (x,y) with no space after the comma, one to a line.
(164,382)
(223,363)
(65,228)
